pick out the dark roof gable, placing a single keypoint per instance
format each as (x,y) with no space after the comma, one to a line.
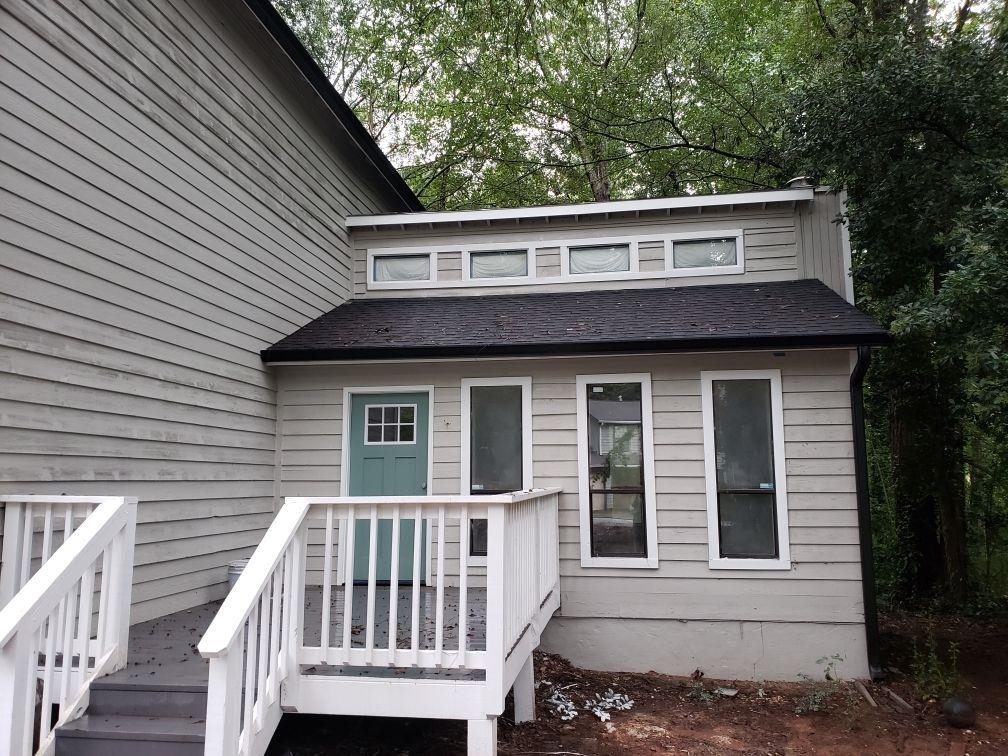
(730,316)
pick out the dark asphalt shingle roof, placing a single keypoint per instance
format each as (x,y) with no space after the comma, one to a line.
(727,316)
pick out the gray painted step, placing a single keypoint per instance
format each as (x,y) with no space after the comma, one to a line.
(118,735)
(128,698)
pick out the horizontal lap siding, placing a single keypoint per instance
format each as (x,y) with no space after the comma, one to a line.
(823,586)
(172,195)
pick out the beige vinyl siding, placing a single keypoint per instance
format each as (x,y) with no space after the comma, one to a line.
(172,195)
(824,584)
(820,233)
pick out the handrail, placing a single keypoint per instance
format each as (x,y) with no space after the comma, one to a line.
(231,617)
(43,591)
(52,621)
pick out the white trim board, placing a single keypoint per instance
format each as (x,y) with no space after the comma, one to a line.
(586,208)
(344,482)
(715,560)
(584,499)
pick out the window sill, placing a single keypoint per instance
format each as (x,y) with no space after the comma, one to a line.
(477,561)
(621,563)
(750,564)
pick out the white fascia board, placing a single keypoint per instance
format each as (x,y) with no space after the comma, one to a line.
(587,208)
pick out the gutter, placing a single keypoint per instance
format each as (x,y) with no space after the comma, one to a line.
(864,513)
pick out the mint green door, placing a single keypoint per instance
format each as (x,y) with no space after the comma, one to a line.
(388,457)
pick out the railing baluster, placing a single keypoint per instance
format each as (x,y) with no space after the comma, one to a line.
(104,597)
(261,658)
(68,638)
(463,603)
(371,585)
(439,600)
(348,584)
(415,619)
(26,547)
(327,583)
(251,641)
(47,674)
(84,624)
(393,623)
(286,609)
(276,581)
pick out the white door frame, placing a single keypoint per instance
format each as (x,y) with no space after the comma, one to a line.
(348,393)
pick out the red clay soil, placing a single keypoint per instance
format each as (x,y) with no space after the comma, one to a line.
(685,716)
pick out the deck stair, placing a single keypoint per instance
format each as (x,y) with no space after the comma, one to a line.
(126,718)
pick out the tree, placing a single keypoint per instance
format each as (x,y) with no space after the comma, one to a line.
(914,124)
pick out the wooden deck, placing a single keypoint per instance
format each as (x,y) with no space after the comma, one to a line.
(163,650)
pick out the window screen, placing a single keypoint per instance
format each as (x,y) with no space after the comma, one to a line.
(402,268)
(704,253)
(509,263)
(746,489)
(495,448)
(609,258)
(616,470)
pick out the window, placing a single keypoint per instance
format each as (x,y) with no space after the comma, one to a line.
(744,459)
(390,424)
(602,258)
(496,443)
(616,471)
(504,263)
(704,253)
(401,268)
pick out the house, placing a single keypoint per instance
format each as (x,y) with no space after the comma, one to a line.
(627,432)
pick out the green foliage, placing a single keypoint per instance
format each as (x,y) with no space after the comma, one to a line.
(934,677)
(820,693)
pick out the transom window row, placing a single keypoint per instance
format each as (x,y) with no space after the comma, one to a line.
(714,253)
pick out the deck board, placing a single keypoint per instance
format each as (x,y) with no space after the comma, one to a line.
(163,651)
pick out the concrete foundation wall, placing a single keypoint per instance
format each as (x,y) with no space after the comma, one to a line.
(727,650)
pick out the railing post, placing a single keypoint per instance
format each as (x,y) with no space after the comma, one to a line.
(225,689)
(15,668)
(13,514)
(289,687)
(121,586)
(495,619)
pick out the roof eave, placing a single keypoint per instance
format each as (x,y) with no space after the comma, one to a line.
(377,222)
(288,41)
(275,356)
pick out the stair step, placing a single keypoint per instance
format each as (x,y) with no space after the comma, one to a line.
(129,698)
(119,735)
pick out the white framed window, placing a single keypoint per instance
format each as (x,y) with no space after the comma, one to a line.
(389,424)
(400,268)
(497,263)
(705,253)
(597,259)
(496,448)
(616,474)
(746,480)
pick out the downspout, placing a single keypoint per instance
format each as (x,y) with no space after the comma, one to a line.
(864,513)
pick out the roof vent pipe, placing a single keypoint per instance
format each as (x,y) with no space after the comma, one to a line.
(799,182)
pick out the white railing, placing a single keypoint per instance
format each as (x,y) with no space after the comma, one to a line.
(263,626)
(68,622)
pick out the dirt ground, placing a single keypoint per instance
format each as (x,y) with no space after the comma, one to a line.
(687,716)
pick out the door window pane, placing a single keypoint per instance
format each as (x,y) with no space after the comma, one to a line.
(509,263)
(704,253)
(495,448)
(608,258)
(402,268)
(743,448)
(616,470)
(392,424)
